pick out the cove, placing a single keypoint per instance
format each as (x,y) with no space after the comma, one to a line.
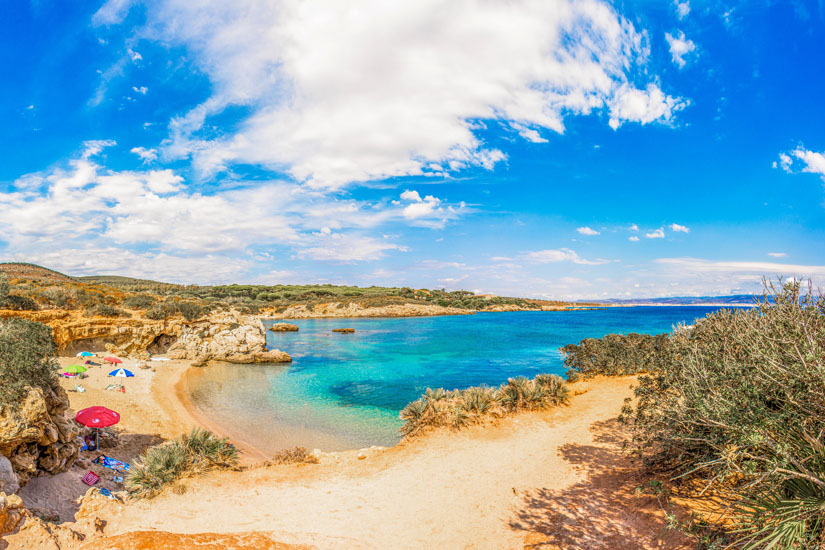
(344,391)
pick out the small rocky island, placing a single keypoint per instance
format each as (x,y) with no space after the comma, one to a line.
(344,330)
(284,327)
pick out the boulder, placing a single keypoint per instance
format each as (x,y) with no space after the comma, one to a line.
(36,438)
(11,512)
(8,479)
(283,327)
(226,337)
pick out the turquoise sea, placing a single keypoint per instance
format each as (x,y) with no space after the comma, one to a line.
(344,391)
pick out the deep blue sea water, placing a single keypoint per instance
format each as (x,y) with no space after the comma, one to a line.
(345,391)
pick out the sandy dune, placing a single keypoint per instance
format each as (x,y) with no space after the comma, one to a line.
(538,480)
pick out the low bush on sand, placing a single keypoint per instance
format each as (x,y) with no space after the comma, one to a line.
(297,455)
(617,355)
(194,453)
(459,408)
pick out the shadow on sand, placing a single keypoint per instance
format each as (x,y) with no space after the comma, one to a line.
(603,511)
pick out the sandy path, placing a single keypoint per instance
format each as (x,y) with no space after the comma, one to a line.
(484,488)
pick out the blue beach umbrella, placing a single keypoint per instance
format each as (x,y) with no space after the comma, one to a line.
(122,373)
(85,354)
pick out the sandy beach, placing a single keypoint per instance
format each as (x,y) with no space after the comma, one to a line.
(553,479)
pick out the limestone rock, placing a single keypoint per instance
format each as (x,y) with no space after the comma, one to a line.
(36,438)
(344,330)
(221,336)
(8,479)
(226,336)
(11,512)
(283,327)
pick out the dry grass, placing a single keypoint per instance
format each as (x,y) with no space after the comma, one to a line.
(458,408)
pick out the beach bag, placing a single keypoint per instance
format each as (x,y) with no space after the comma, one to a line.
(90,478)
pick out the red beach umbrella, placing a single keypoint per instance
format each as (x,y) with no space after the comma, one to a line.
(112,360)
(97,417)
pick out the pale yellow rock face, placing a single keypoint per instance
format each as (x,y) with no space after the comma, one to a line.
(223,336)
(36,437)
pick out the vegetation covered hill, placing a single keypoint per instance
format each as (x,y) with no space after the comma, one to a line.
(31,287)
(32,272)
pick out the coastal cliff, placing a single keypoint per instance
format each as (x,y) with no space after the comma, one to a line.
(337,309)
(221,336)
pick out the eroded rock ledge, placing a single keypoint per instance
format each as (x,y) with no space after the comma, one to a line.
(223,336)
(36,438)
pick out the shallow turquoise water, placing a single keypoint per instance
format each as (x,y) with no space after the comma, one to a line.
(345,391)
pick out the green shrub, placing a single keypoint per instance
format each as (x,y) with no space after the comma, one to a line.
(4,287)
(162,465)
(739,404)
(27,359)
(103,310)
(617,355)
(20,303)
(139,301)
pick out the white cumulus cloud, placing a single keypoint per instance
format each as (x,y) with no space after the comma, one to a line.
(657,234)
(810,161)
(147,155)
(679,47)
(587,231)
(631,104)
(679,228)
(682,8)
(330,107)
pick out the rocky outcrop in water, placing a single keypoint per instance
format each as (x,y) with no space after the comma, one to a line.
(344,330)
(37,438)
(284,327)
(225,337)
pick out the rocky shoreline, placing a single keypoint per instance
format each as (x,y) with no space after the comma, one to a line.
(337,309)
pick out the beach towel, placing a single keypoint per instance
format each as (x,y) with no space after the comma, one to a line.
(90,478)
(112,463)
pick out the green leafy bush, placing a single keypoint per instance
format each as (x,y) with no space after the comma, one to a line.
(139,301)
(27,359)
(617,355)
(103,310)
(18,302)
(198,452)
(739,404)
(188,310)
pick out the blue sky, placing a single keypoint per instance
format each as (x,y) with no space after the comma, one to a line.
(538,148)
